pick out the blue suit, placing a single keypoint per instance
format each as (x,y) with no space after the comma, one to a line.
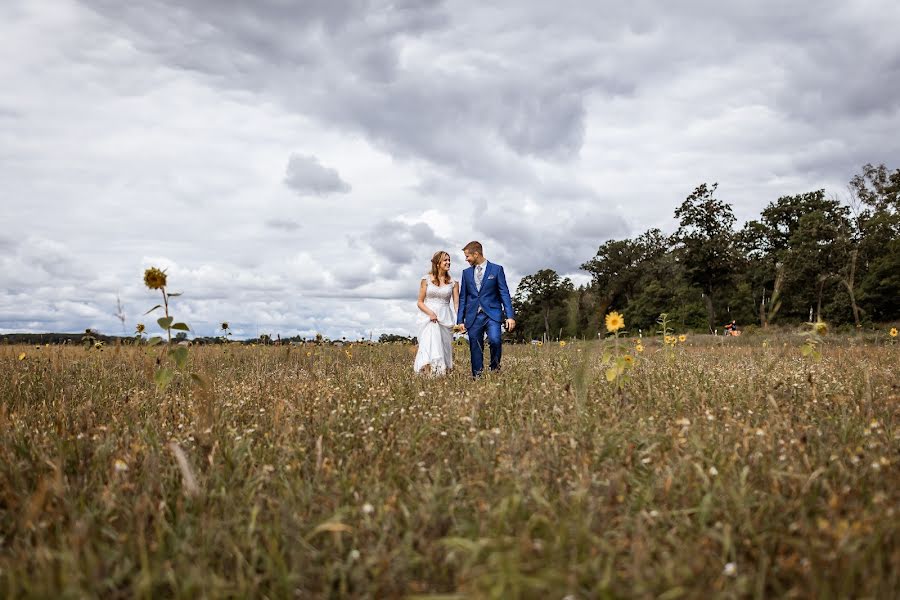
(492,300)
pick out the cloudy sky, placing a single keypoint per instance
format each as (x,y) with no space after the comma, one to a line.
(293,165)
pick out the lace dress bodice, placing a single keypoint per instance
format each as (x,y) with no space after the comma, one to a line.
(438,294)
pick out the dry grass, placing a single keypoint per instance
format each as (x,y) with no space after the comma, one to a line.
(735,471)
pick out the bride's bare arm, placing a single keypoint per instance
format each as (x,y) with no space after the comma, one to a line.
(456,296)
(421,303)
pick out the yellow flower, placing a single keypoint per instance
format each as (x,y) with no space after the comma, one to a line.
(540,344)
(140,328)
(154,278)
(98,345)
(893,332)
(22,356)
(682,338)
(629,359)
(820,327)
(670,340)
(614,322)
(639,348)
(562,343)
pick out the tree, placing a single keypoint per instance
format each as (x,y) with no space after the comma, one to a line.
(538,295)
(707,243)
(875,201)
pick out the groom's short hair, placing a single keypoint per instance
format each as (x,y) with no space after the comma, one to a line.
(473,247)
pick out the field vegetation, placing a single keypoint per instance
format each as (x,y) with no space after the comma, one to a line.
(738,468)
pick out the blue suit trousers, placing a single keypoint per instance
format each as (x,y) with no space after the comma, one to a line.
(476,343)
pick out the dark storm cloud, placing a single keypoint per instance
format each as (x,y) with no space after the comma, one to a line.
(401,244)
(306,175)
(341,63)
(560,238)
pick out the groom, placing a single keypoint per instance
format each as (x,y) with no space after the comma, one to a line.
(482,294)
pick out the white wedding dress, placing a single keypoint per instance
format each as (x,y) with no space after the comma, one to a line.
(436,338)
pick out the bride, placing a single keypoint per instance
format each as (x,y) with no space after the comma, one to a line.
(438,303)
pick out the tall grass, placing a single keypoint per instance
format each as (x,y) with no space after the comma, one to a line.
(734,471)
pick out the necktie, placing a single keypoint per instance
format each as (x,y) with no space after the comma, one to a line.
(479,272)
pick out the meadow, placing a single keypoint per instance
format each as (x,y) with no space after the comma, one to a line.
(738,469)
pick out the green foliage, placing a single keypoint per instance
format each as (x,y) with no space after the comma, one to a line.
(540,304)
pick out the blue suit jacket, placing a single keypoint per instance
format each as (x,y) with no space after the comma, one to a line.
(493,298)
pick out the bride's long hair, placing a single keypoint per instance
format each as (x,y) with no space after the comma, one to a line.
(436,267)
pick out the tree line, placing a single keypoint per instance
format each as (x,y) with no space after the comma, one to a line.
(807,257)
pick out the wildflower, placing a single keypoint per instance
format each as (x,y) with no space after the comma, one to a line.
(98,345)
(820,327)
(154,278)
(713,471)
(629,359)
(682,338)
(562,343)
(368,509)
(614,322)
(730,570)
(224,324)
(354,554)
(140,328)
(120,466)
(539,344)
(639,348)
(22,356)
(893,332)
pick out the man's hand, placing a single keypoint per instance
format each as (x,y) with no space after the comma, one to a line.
(510,324)
(461,328)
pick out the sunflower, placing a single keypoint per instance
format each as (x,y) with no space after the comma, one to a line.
(639,348)
(562,343)
(224,325)
(154,278)
(614,322)
(682,338)
(629,359)
(140,328)
(820,327)
(893,332)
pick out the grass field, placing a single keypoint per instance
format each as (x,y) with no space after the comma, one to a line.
(738,470)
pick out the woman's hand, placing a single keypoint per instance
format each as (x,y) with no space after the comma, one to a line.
(433,317)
